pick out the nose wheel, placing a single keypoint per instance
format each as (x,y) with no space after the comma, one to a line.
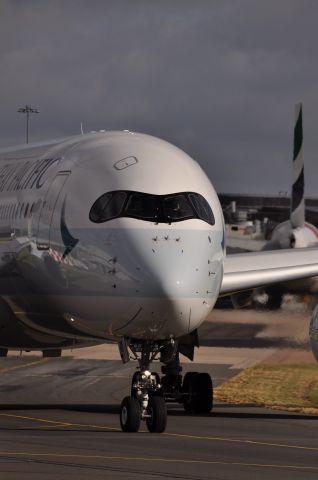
(157,411)
(155,416)
(130,414)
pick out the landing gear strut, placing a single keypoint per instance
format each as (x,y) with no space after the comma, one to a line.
(149,393)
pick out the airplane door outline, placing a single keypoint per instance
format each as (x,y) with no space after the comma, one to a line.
(47,210)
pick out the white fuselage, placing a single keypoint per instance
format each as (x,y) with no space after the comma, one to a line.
(74,278)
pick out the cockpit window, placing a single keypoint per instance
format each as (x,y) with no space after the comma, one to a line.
(152,208)
(177,207)
(202,207)
(108,206)
(143,206)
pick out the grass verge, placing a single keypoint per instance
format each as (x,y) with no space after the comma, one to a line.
(285,387)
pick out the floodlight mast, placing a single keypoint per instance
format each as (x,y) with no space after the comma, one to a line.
(28,109)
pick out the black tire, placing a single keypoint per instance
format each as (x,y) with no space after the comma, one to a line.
(130,414)
(203,401)
(198,391)
(189,388)
(3,352)
(157,409)
(133,381)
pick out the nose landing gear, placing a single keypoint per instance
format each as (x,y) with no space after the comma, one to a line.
(149,393)
(146,401)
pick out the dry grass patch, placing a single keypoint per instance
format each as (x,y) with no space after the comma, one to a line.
(287,387)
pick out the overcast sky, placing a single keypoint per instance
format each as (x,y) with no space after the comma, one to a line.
(218,78)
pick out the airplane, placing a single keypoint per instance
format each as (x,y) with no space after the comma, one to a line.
(295,232)
(119,236)
(292,233)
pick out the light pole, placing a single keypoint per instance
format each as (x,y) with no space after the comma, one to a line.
(28,109)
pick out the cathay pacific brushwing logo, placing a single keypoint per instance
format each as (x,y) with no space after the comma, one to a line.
(67,238)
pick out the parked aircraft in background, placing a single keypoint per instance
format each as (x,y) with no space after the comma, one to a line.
(119,237)
(293,233)
(296,232)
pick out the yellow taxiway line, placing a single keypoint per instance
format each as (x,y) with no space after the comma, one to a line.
(166,435)
(155,459)
(59,423)
(24,365)
(239,440)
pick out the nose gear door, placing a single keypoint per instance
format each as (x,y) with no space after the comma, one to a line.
(47,210)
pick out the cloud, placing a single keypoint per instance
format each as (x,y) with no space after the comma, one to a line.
(219,79)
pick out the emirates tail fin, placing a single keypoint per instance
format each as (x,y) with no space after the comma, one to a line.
(297,216)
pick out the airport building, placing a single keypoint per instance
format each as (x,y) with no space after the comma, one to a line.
(257,207)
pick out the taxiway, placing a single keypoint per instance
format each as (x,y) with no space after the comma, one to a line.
(59,417)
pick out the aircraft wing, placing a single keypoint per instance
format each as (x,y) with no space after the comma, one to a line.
(244,271)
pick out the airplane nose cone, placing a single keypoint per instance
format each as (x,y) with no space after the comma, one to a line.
(177,276)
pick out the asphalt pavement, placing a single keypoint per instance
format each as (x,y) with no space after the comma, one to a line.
(59,419)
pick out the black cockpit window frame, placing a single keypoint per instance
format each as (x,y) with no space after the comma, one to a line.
(170,208)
